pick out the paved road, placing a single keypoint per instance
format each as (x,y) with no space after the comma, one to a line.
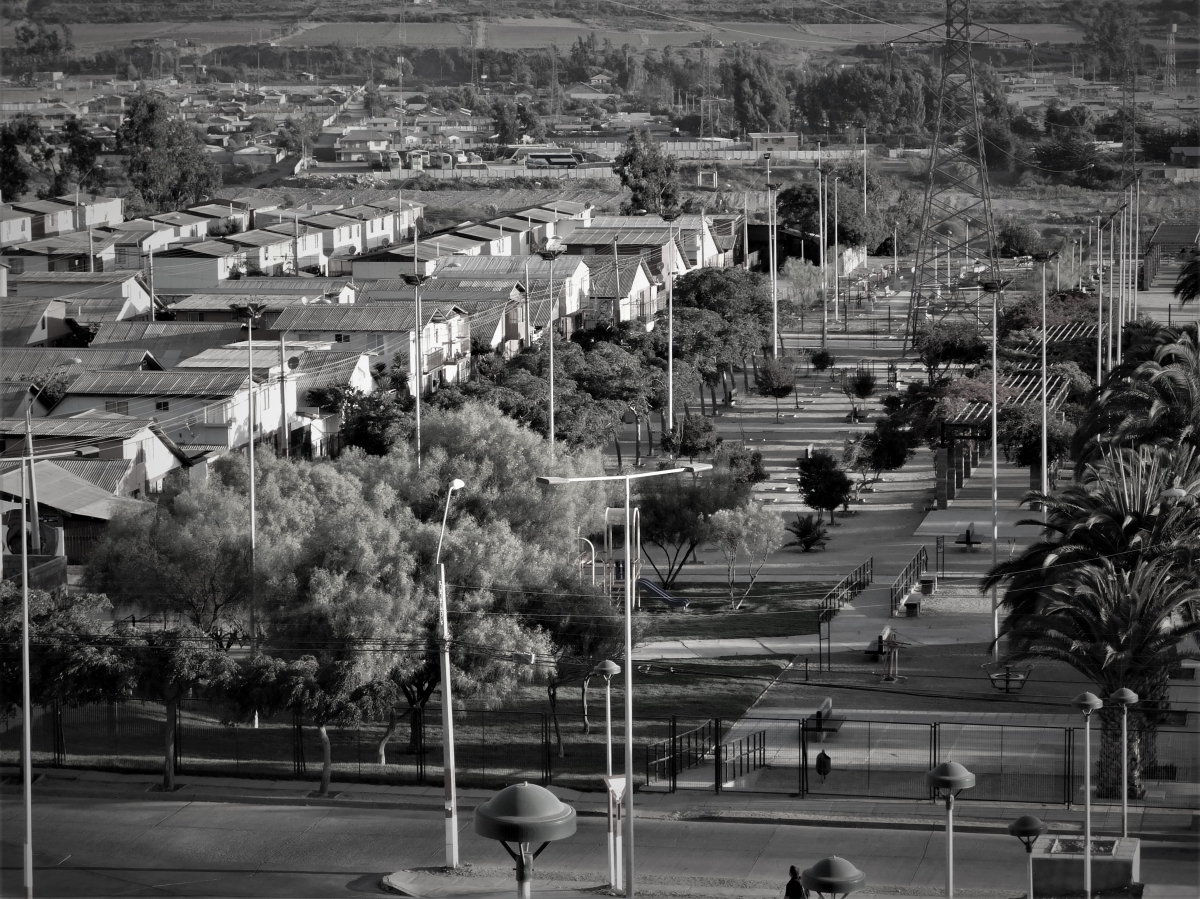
(88,847)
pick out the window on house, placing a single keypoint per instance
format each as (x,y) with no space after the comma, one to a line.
(341,338)
(162,406)
(195,316)
(121,407)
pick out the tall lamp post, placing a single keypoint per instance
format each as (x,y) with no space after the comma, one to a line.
(1124,698)
(251,312)
(1043,258)
(694,468)
(609,669)
(948,780)
(550,252)
(1027,829)
(26,702)
(995,288)
(1087,703)
(836,255)
(773,212)
(448,776)
(670,217)
(417,280)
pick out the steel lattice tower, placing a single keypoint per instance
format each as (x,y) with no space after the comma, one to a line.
(1170,80)
(956,215)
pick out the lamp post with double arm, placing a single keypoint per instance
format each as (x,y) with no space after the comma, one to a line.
(449,775)
(417,280)
(693,469)
(549,252)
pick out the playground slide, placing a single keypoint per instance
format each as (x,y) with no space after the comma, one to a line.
(658,592)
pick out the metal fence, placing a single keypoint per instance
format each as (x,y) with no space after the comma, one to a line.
(911,574)
(791,756)
(849,587)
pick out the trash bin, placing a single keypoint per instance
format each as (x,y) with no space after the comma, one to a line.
(928,584)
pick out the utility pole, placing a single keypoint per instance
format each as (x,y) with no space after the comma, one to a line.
(283,413)
(153,299)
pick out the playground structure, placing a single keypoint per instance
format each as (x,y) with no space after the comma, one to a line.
(612,562)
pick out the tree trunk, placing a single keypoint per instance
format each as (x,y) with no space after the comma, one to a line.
(746,372)
(169,744)
(414,728)
(552,695)
(326,760)
(649,437)
(712,392)
(587,723)
(754,363)
(387,735)
(637,442)
(702,399)
(617,444)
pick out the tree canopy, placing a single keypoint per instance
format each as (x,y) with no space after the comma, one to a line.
(165,159)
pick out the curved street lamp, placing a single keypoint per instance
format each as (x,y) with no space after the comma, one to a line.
(1087,703)
(1027,829)
(549,252)
(948,780)
(417,280)
(1044,258)
(996,289)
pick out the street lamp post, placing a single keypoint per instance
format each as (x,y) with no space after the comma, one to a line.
(1087,703)
(26,701)
(694,468)
(836,254)
(670,217)
(448,776)
(609,669)
(1043,258)
(1027,829)
(1125,698)
(948,780)
(250,312)
(995,288)
(550,252)
(417,280)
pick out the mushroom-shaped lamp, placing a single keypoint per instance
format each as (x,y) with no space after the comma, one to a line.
(833,877)
(524,814)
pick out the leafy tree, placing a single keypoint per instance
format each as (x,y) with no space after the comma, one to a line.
(760,100)
(189,556)
(1112,36)
(888,447)
(947,344)
(809,533)
(504,120)
(649,173)
(823,486)
(373,101)
(1020,435)
(697,437)
(893,99)
(1070,122)
(775,379)
(37,45)
(298,136)
(750,531)
(373,421)
(822,359)
(860,386)
(531,123)
(1016,238)
(745,464)
(172,664)
(14,170)
(1072,157)
(675,513)
(166,161)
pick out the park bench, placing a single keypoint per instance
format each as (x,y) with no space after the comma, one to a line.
(877,647)
(968,540)
(912,605)
(821,722)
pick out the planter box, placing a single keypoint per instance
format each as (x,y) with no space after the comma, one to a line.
(1057,873)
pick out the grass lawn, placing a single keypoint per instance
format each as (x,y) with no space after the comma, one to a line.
(771,610)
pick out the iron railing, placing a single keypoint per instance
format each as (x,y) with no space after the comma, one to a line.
(911,575)
(849,587)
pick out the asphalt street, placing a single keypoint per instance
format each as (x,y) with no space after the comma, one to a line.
(90,847)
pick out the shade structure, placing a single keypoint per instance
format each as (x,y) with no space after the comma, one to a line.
(833,875)
(950,776)
(525,813)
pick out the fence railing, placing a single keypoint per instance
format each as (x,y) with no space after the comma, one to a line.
(911,574)
(858,756)
(849,587)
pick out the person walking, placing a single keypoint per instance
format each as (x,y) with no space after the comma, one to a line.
(794,889)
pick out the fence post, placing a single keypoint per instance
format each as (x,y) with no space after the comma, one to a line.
(717,755)
(674,769)
(179,738)
(803,757)
(933,751)
(1069,765)
(60,749)
(549,755)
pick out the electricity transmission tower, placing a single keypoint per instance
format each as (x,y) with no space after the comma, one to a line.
(957,231)
(1170,80)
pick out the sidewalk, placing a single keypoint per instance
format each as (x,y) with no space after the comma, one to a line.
(728,806)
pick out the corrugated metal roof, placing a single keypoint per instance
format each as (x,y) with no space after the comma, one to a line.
(214,249)
(640,236)
(61,489)
(376,317)
(219,302)
(284,285)
(326,368)
(17,362)
(604,275)
(71,277)
(106,427)
(107,474)
(265,355)
(158,383)
(257,239)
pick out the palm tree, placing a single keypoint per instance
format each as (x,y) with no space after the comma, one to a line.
(1187,285)
(1157,404)
(1113,515)
(1119,628)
